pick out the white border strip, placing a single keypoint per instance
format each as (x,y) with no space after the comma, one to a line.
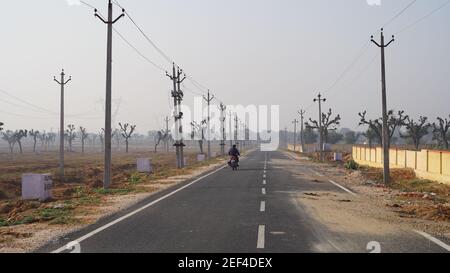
(342,187)
(434,240)
(100,229)
(261,234)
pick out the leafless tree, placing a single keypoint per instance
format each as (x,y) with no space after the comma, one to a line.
(51,138)
(199,130)
(43,138)
(83,135)
(94,139)
(127,132)
(370,135)
(376,125)
(328,124)
(19,135)
(35,135)
(158,137)
(9,137)
(70,135)
(117,135)
(441,131)
(416,130)
(101,136)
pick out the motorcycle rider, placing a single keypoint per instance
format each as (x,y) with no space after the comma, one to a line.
(234,152)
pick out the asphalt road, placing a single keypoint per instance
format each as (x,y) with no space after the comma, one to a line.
(251,210)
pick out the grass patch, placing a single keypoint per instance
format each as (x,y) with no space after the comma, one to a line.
(25,220)
(422,185)
(114,191)
(351,165)
(56,215)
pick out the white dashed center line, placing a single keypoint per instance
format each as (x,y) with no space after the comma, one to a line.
(262,208)
(264,191)
(261,234)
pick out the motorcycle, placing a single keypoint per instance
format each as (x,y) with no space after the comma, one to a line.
(233,163)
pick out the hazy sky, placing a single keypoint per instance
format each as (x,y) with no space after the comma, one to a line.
(247,51)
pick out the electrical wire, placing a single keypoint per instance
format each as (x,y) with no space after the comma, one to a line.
(400,13)
(137,51)
(443,5)
(157,48)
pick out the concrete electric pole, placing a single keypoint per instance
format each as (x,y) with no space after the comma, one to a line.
(231,129)
(108,130)
(208,100)
(62,83)
(177,114)
(180,96)
(385,140)
(295,122)
(302,141)
(320,100)
(167,119)
(222,109)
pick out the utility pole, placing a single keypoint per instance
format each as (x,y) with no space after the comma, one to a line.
(177,115)
(231,129)
(208,100)
(385,130)
(286,137)
(167,119)
(222,109)
(108,130)
(320,100)
(295,122)
(236,130)
(180,96)
(62,83)
(302,141)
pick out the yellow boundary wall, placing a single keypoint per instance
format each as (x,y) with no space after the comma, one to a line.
(427,164)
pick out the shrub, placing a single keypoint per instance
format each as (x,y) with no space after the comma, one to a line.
(352,165)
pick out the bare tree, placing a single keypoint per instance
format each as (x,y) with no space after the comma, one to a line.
(94,139)
(376,125)
(19,135)
(127,132)
(35,135)
(370,135)
(158,137)
(441,131)
(117,135)
(83,135)
(199,130)
(416,130)
(51,138)
(42,138)
(101,136)
(328,124)
(9,137)
(70,135)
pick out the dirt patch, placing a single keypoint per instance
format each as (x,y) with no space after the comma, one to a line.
(25,225)
(417,203)
(354,216)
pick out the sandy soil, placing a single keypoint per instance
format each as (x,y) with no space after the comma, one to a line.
(25,238)
(374,210)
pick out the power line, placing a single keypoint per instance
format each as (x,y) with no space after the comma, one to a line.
(424,17)
(27,103)
(168,59)
(352,64)
(137,51)
(400,13)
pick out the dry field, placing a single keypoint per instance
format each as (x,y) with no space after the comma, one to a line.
(81,199)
